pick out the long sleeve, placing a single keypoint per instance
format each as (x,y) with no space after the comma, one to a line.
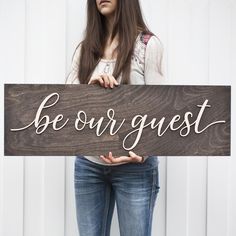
(153,68)
(72,77)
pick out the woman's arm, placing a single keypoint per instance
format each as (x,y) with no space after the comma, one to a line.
(153,67)
(72,77)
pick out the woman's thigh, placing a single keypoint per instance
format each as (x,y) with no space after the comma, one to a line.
(94,198)
(136,187)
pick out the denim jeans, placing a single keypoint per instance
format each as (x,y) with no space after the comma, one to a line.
(132,186)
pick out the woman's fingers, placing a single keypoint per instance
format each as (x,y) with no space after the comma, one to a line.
(97,79)
(135,157)
(101,81)
(115,81)
(112,81)
(121,159)
(105,159)
(104,80)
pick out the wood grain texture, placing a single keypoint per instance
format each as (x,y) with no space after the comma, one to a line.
(23,100)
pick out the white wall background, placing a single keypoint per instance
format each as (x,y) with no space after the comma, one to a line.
(37,40)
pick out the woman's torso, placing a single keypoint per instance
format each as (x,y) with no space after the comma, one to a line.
(136,74)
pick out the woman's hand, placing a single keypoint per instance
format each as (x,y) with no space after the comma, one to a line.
(123,159)
(104,80)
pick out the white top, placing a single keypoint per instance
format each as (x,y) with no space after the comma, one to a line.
(146,68)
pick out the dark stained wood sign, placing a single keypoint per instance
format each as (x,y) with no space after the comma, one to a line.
(162,120)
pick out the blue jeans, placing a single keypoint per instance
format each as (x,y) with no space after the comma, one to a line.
(134,188)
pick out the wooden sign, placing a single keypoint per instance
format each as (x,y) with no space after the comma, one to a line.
(161,120)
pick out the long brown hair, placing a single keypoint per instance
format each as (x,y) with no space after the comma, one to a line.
(128,22)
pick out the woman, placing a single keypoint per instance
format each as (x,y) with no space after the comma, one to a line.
(117,49)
